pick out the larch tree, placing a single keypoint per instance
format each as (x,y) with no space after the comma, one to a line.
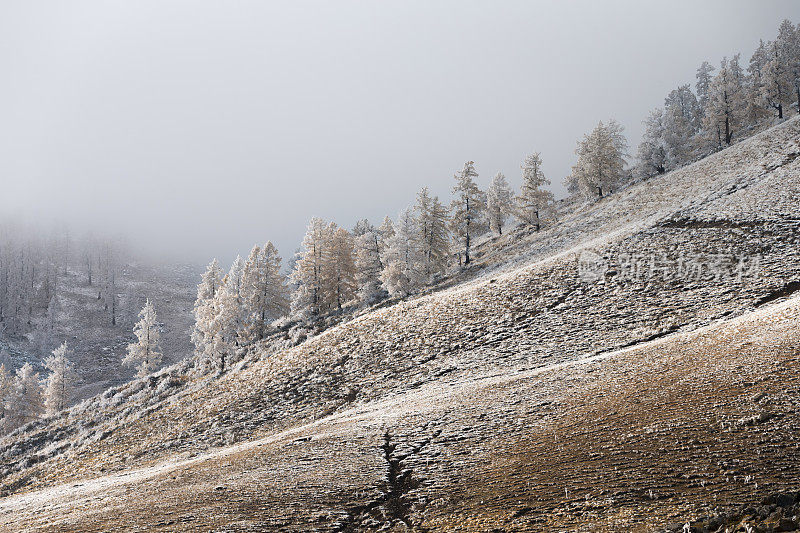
(59,383)
(651,156)
(404,270)
(386,228)
(437,247)
(386,232)
(422,211)
(788,45)
(265,295)
(367,251)
(754,91)
(498,203)
(703,85)
(682,121)
(467,209)
(205,308)
(307,273)
(726,107)
(26,399)
(678,139)
(601,160)
(145,351)
(776,83)
(683,103)
(338,276)
(230,317)
(533,198)
(361,227)
(434,235)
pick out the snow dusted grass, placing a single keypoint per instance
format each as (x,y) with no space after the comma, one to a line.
(554,398)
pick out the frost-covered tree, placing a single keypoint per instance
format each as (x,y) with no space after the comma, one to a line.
(776,81)
(756,109)
(223,324)
(788,46)
(146,351)
(668,141)
(307,273)
(533,198)
(386,232)
(683,104)
(338,276)
(703,85)
(26,403)
(361,227)
(230,317)
(651,156)
(436,249)
(498,203)
(601,160)
(59,384)
(367,251)
(404,270)
(265,295)
(434,234)
(204,307)
(324,273)
(678,139)
(467,208)
(422,210)
(726,106)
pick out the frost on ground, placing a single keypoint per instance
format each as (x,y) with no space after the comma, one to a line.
(634,366)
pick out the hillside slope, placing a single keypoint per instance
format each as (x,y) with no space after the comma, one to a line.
(480,406)
(627,440)
(97,347)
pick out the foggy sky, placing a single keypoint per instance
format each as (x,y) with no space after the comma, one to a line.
(199,128)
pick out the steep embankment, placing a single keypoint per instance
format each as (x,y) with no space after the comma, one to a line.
(675,429)
(466,408)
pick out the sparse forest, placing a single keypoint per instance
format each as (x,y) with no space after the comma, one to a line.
(340,270)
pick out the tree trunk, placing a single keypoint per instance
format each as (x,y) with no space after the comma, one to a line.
(469,218)
(797,88)
(727,129)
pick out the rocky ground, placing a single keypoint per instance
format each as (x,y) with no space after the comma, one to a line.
(635,367)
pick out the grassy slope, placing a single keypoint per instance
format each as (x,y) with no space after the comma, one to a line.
(432,356)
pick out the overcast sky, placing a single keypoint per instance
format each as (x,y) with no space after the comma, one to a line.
(201,128)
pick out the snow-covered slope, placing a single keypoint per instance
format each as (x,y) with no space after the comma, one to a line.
(96,345)
(475,406)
